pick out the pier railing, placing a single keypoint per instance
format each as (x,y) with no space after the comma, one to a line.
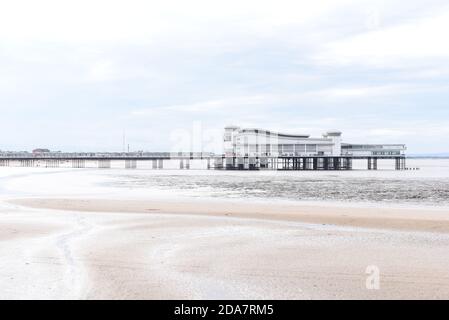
(104,155)
(186,160)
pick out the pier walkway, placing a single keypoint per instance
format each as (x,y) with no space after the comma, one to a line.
(190,160)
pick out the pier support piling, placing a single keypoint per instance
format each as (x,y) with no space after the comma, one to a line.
(372,163)
(291,162)
(26,163)
(51,163)
(4,163)
(400,163)
(104,164)
(78,163)
(130,164)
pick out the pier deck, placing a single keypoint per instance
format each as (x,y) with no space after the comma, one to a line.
(184,160)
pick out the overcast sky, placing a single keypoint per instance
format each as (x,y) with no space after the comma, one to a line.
(75,74)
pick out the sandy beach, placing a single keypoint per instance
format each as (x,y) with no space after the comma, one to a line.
(108,247)
(224,150)
(383,218)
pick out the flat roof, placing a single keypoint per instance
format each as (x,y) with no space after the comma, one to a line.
(232,127)
(284,135)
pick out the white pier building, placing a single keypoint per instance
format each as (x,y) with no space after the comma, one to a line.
(262,143)
(258,148)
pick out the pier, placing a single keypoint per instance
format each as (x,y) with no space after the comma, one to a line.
(302,163)
(243,149)
(192,160)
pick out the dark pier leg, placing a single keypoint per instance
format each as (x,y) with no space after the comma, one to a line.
(22,163)
(309,163)
(51,163)
(78,163)
(337,164)
(27,163)
(4,163)
(104,164)
(320,163)
(372,163)
(229,162)
(130,164)
(348,163)
(218,163)
(400,163)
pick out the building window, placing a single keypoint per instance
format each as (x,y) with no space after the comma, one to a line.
(311,148)
(288,148)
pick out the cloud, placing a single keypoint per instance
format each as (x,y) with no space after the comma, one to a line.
(143,20)
(210,106)
(396,45)
(370,68)
(102,71)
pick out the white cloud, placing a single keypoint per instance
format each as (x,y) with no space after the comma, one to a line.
(102,71)
(106,63)
(210,106)
(399,45)
(389,133)
(146,21)
(357,91)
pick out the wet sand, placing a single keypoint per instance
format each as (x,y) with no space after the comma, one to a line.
(126,249)
(436,220)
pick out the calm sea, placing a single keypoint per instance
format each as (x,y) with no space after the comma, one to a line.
(427,186)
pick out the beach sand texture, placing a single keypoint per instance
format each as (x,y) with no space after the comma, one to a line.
(109,248)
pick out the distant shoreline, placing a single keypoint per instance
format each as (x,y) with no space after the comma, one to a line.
(427,157)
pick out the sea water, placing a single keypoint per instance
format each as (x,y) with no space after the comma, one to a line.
(427,186)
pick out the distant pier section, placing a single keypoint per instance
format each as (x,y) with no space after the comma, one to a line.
(128,160)
(164,160)
(243,149)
